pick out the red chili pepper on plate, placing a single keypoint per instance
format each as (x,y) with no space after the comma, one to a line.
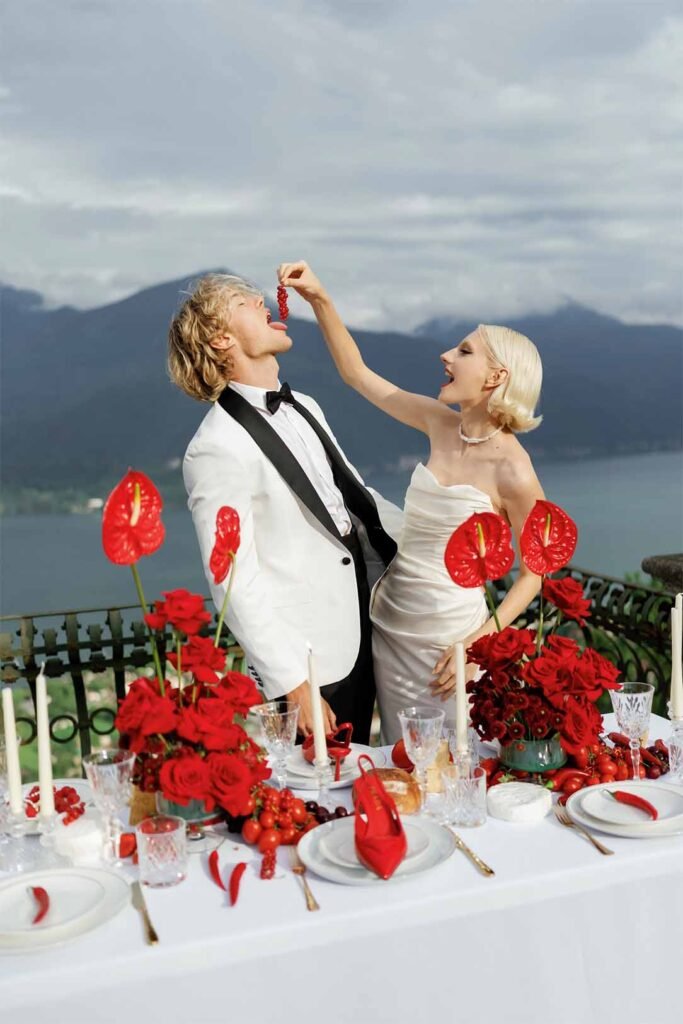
(633,800)
(215,870)
(41,897)
(235,879)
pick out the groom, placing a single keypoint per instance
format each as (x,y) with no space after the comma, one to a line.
(311,540)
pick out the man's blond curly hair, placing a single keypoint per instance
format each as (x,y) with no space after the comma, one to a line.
(197,368)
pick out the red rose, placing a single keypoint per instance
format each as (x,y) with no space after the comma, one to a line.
(185,611)
(581,725)
(238,690)
(131,520)
(546,672)
(185,777)
(200,657)
(226,543)
(479,549)
(230,781)
(567,596)
(606,674)
(548,538)
(255,759)
(508,646)
(144,712)
(158,618)
(479,653)
(210,723)
(564,649)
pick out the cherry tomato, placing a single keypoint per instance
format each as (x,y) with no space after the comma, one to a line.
(251,830)
(249,806)
(604,763)
(288,835)
(622,772)
(572,785)
(298,812)
(581,757)
(593,780)
(269,840)
(267,819)
(284,820)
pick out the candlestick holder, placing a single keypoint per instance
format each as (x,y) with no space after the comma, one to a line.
(17,853)
(324,778)
(676,750)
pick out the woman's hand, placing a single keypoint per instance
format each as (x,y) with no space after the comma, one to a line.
(444,685)
(301,278)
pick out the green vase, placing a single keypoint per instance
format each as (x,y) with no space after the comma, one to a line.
(533,755)
(193,813)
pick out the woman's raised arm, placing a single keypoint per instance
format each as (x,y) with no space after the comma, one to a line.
(417,411)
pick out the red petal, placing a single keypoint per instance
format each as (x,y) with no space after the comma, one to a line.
(124,539)
(465,562)
(548,538)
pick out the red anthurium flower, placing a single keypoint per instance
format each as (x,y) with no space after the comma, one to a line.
(131,521)
(548,538)
(226,543)
(479,550)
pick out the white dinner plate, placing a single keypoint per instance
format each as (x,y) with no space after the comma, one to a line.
(301,774)
(644,830)
(666,799)
(339,847)
(80,899)
(440,846)
(82,787)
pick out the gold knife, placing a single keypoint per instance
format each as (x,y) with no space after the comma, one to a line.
(138,899)
(477,861)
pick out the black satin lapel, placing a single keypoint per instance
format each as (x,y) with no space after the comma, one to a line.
(274,448)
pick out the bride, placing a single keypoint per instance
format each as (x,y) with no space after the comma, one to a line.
(476,464)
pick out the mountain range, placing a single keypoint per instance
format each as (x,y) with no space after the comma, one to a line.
(85,393)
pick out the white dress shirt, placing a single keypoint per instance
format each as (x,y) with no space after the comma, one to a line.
(305,446)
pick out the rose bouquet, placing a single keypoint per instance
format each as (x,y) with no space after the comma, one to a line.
(535,685)
(187,731)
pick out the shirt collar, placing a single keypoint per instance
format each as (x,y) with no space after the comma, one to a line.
(255,396)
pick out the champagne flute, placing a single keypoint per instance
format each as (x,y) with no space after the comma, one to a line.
(421,728)
(632,704)
(110,774)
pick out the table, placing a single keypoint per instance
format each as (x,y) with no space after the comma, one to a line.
(561,935)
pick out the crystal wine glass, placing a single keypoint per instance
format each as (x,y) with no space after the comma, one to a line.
(632,704)
(110,773)
(278,728)
(421,728)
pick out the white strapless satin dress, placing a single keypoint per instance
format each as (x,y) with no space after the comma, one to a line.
(416,609)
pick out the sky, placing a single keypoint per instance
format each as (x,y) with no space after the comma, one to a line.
(475,158)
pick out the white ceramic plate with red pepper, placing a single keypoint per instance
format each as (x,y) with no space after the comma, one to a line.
(46,908)
(595,808)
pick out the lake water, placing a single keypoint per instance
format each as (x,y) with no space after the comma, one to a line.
(626,508)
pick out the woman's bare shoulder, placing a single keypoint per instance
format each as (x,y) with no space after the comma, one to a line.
(515,474)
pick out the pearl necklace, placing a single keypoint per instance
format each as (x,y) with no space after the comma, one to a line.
(477,440)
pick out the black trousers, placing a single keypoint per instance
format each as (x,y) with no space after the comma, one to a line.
(353,699)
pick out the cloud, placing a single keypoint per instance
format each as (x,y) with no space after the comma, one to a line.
(481,159)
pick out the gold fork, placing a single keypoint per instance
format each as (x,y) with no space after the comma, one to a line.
(299,869)
(565,820)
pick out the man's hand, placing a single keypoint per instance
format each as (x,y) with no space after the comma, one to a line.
(301,278)
(300,697)
(444,670)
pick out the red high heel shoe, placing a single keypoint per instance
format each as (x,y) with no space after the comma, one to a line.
(338,746)
(380,840)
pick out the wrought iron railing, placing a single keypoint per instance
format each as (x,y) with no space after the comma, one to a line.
(94,652)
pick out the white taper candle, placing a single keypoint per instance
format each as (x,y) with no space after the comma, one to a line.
(676,697)
(319,742)
(47,800)
(12,753)
(461,702)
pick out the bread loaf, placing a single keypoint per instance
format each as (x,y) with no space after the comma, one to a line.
(402,787)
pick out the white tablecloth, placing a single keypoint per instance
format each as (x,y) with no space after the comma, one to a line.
(561,935)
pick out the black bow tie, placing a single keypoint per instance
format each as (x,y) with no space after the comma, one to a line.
(275,398)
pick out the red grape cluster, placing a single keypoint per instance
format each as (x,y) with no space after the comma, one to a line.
(67,802)
(282,302)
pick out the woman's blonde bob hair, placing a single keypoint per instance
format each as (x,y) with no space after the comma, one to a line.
(513,402)
(197,368)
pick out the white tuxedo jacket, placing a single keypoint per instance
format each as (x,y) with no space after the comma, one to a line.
(294,581)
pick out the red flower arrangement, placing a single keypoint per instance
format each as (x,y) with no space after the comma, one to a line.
(532,687)
(190,742)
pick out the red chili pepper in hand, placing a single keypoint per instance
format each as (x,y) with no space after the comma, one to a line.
(215,870)
(235,879)
(633,800)
(43,900)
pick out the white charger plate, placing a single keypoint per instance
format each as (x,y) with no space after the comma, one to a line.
(666,799)
(301,773)
(340,847)
(645,830)
(80,899)
(440,846)
(82,787)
